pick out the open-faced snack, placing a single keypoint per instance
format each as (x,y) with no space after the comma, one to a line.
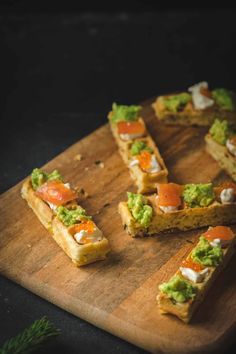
(221,145)
(137,148)
(55,204)
(186,289)
(198,106)
(178,207)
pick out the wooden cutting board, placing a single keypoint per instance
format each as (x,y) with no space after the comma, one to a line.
(119,294)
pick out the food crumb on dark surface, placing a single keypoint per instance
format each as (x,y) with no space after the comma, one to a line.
(78,157)
(83,193)
(99,163)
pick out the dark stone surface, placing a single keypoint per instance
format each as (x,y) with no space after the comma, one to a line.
(59,75)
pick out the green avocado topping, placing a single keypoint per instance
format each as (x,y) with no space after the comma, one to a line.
(206,254)
(138,207)
(71,216)
(223,98)
(198,195)
(38,177)
(139,146)
(124,113)
(178,289)
(176,102)
(220,131)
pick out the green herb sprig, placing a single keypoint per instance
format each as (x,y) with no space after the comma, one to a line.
(31,338)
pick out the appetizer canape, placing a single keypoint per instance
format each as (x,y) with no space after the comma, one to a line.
(221,145)
(198,106)
(177,207)
(55,204)
(137,148)
(182,294)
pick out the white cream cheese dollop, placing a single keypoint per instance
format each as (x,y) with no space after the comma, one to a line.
(168,209)
(131,136)
(52,206)
(95,236)
(192,275)
(134,162)
(155,167)
(219,242)
(231,147)
(227,196)
(199,100)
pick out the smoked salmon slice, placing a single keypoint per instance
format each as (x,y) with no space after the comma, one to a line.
(56,192)
(131,128)
(169,194)
(222,232)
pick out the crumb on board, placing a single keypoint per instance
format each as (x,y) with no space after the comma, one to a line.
(82,192)
(106,205)
(99,163)
(78,157)
(86,168)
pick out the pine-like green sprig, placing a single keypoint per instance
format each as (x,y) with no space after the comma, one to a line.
(31,338)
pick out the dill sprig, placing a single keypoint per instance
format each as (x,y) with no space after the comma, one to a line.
(31,338)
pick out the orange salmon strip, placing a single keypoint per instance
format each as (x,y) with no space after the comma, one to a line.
(169,194)
(130,128)
(222,232)
(56,193)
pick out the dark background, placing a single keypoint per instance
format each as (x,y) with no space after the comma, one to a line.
(61,67)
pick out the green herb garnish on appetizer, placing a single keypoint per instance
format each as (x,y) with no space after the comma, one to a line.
(198,195)
(223,98)
(206,254)
(220,131)
(71,216)
(38,177)
(178,289)
(139,146)
(140,210)
(175,102)
(124,113)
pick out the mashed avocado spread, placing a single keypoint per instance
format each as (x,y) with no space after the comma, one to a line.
(38,177)
(220,131)
(124,113)
(223,98)
(138,207)
(198,195)
(206,254)
(178,289)
(71,216)
(139,146)
(176,102)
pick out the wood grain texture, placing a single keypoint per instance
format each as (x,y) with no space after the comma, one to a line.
(119,294)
